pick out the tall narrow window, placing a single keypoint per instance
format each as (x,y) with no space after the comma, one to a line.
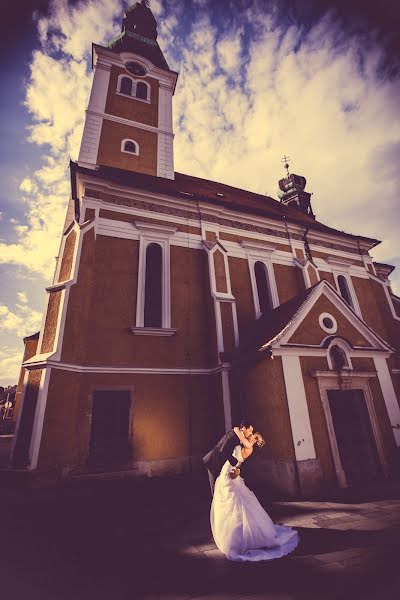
(344,289)
(263,289)
(153,287)
(141,90)
(126,86)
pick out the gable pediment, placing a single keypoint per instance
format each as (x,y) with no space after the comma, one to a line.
(325,306)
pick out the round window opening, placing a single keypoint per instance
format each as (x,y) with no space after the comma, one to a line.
(327,323)
(135,68)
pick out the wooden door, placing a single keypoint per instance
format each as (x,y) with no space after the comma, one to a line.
(354,435)
(109,440)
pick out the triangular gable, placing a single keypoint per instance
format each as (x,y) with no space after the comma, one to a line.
(305,326)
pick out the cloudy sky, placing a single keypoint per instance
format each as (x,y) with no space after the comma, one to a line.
(317,80)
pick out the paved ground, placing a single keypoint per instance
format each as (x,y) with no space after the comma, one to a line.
(151,539)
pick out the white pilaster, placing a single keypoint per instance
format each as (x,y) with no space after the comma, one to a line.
(93,121)
(165,150)
(298,410)
(389,395)
(39,418)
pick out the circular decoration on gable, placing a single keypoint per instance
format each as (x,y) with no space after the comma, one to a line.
(135,69)
(327,323)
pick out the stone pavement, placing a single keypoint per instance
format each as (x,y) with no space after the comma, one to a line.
(151,539)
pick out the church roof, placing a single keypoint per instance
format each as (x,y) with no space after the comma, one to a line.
(220,194)
(267,328)
(34,336)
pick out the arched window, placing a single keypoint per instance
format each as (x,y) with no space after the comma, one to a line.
(130,146)
(263,289)
(344,289)
(126,86)
(153,287)
(338,358)
(141,90)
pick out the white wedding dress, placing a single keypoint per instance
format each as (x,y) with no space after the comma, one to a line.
(241,528)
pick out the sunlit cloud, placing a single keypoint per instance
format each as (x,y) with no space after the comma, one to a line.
(22,321)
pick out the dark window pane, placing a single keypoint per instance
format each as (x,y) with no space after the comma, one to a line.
(126,86)
(339,358)
(130,147)
(344,289)
(141,90)
(264,295)
(153,287)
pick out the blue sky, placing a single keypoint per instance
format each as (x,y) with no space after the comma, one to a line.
(314,79)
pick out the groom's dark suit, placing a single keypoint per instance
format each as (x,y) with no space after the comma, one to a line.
(222,451)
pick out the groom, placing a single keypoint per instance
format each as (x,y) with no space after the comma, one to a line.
(222,451)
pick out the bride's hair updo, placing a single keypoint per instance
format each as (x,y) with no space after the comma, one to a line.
(260,442)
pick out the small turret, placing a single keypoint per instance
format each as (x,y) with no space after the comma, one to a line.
(291,191)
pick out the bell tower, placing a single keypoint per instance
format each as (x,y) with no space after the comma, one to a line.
(129,117)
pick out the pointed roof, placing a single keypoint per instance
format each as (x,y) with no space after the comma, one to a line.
(269,327)
(139,35)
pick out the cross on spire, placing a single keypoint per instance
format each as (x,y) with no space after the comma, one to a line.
(286,159)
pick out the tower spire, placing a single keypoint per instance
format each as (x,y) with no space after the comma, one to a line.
(291,191)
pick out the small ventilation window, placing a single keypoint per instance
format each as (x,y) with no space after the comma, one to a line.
(130,147)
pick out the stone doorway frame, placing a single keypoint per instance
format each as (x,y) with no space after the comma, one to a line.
(348,380)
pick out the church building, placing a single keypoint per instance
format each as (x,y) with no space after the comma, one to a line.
(180,305)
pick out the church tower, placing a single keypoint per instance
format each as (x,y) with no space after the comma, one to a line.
(129,117)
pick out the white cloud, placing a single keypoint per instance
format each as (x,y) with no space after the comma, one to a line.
(22,297)
(22,322)
(10,365)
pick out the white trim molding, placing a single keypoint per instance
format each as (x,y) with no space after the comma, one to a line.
(37,429)
(326,315)
(389,396)
(353,296)
(303,440)
(329,380)
(347,349)
(262,253)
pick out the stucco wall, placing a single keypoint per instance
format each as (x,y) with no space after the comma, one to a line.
(102,309)
(174,416)
(375,309)
(131,108)
(289,281)
(310,331)
(68,257)
(266,405)
(110,153)
(24,433)
(241,289)
(317,416)
(50,326)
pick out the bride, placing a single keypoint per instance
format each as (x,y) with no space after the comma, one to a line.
(241,528)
